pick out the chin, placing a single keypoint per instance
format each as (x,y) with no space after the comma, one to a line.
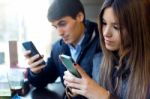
(110,48)
(67,42)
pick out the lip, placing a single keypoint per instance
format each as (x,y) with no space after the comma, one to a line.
(108,42)
(65,38)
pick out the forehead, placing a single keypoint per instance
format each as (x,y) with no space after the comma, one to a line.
(109,15)
(63,19)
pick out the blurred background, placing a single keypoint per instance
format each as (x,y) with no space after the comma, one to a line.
(23,20)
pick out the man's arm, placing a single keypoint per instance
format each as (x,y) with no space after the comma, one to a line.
(48,74)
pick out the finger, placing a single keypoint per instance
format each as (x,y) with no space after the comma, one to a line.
(32,59)
(78,91)
(27,53)
(65,82)
(80,70)
(67,73)
(75,85)
(71,78)
(42,56)
(36,64)
(37,69)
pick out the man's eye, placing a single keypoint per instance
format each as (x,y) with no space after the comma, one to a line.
(62,24)
(55,26)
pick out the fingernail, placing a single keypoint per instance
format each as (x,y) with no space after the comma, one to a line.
(75,64)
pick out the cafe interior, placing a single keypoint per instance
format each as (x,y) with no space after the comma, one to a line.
(26,20)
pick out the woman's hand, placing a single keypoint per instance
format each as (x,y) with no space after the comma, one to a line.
(85,86)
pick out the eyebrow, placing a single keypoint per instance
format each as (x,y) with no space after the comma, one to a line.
(114,23)
(59,23)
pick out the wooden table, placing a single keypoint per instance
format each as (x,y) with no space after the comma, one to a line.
(52,91)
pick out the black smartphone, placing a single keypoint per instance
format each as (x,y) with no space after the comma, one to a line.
(30,46)
(69,64)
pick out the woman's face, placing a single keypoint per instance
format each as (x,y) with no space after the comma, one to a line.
(111,30)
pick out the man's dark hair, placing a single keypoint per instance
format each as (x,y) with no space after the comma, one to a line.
(62,8)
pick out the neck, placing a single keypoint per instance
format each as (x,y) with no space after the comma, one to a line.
(82,28)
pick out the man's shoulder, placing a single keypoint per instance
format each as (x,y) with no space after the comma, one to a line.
(89,22)
(91,26)
(59,43)
(60,46)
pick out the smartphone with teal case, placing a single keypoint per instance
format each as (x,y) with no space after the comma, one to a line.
(69,64)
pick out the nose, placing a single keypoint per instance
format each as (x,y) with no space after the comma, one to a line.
(60,31)
(107,31)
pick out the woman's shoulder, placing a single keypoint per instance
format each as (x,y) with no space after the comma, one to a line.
(97,58)
(96,66)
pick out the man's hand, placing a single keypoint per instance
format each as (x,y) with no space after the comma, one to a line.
(33,62)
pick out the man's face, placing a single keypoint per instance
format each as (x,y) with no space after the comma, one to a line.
(71,30)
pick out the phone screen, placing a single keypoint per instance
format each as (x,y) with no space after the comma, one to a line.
(69,64)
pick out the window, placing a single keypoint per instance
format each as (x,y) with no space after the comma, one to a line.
(23,20)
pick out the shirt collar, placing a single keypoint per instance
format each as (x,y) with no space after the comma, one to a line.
(78,44)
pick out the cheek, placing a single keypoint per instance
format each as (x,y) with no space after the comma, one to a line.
(103,30)
(117,38)
(70,28)
(118,42)
(67,29)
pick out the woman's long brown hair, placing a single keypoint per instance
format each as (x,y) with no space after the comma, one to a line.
(134,17)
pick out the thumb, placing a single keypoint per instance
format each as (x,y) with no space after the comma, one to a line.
(80,70)
(42,56)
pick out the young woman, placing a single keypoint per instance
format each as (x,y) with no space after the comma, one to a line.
(125,66)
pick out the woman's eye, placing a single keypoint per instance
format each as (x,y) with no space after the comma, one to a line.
(103,23)
(117,27)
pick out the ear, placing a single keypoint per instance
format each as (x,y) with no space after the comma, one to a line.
(80,17)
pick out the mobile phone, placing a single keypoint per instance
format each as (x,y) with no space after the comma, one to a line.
(30,46)
(69,64)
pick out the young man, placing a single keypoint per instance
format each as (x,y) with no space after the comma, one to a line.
(80,40)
